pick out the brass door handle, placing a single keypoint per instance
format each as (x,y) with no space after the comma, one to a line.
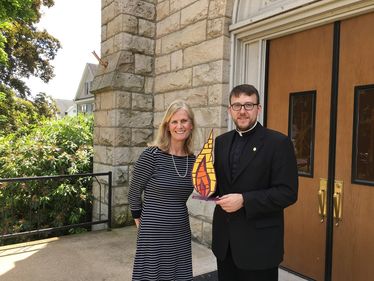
(322,198)
(338,199)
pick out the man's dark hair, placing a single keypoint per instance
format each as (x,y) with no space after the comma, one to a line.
(244,89)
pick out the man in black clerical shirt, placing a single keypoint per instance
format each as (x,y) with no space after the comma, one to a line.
(256,179)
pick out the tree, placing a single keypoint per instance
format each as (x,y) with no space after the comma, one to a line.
(45,105)
(28,52)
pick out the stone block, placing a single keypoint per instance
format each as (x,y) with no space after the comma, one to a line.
(114,136)
(139,9)
(126,155)
(106,136)
(120,195)
(195,97)
(202,53)
(190,35)
(104,36)
(104,118)
(103,154)
(99,212)
(124,61)
(195,12)
(120,175)
(128,82)
(158,49)
(176,60)
(143,64)
(102,168)
(162,64)
(196,228)
(142,102)
(218,27)
(173,81)
(122,23)
(220,8)
(97,101)
(135,119)
(207,233)
(140,137)
(108,13)
(122,99)
(159,103)
(211,73)
(121,216)
(105,3)
(168,25)
(176,5)
(107,46)
(148,85)
(162,10)
(211,116)
(136,44)
(147,28)
(218,94)
(157,118)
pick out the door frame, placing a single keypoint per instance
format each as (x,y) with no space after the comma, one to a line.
(250,52)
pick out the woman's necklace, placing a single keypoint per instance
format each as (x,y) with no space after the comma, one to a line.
(175,167)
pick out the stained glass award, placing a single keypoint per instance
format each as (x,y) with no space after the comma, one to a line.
(203,175)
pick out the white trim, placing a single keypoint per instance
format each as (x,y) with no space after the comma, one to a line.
(302,18)
(266,11)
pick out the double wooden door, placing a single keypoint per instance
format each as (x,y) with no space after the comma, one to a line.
(320,92)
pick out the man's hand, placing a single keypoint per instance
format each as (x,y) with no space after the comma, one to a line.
(231,202)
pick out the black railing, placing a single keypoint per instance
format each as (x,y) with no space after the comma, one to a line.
(31,220)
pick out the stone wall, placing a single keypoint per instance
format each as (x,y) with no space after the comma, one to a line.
(192,63)
(159,51)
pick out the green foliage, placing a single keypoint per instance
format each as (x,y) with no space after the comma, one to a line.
(22,11)
(53,148)
(29,53)
(18,114)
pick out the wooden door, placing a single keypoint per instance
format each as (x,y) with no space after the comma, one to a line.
(353,238)
(300,67)
(302,63)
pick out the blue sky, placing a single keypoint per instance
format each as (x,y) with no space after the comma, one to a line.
(76,23)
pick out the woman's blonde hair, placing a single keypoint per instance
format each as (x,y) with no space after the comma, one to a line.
(162,140)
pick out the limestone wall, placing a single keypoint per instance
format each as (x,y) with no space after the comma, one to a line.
(158,51)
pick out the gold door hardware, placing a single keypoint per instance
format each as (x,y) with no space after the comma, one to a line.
(338,199)
(322,198)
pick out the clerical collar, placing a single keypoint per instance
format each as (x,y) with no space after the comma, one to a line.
(246,131)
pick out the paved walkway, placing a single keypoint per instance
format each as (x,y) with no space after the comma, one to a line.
(94,256)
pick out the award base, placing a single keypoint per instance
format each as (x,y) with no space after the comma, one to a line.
(199,197)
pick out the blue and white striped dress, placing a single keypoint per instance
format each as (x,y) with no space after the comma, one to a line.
(164,237)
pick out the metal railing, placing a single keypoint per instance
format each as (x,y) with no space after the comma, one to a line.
(7,210)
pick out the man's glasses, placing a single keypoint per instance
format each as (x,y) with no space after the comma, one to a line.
(247,106)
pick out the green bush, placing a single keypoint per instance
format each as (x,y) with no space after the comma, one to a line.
(58,147)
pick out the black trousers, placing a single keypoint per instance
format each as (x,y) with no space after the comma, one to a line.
(228,271)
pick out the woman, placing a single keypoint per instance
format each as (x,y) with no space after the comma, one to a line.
(163,174)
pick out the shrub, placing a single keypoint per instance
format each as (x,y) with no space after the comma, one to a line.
(56,147)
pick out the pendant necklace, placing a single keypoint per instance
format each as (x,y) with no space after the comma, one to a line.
(175,167)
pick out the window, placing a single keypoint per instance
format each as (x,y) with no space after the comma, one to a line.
(363,136)
(301,125)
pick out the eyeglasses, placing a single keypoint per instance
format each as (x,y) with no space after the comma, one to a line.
(247,106)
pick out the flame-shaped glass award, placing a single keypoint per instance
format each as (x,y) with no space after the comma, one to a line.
(203,175)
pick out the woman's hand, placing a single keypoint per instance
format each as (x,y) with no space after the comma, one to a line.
(137,222)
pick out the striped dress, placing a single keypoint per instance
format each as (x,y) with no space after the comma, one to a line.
(164,237)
